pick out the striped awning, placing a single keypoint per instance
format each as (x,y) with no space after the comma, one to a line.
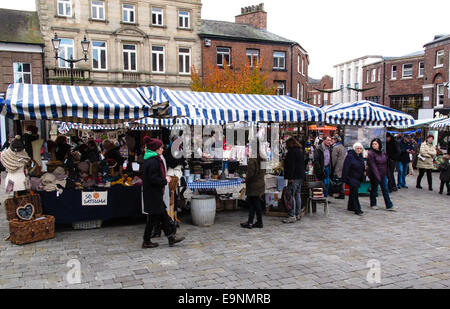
(178,121)
(77,104)
(365,113)
(442,124)
(236,107)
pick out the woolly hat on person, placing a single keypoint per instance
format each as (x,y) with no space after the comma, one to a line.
(152,144)
(17,145)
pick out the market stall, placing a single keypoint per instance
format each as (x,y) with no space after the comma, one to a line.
(101,185)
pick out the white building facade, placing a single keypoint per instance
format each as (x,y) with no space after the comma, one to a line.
(350,74)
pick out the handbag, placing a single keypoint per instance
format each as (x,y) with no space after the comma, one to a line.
(335,185)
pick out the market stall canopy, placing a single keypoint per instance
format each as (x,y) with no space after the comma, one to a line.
(419,123)
(77,104)
(365,113)
(178,121)
(441,125)
(233,107)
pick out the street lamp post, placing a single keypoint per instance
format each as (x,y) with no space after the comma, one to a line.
(84,45)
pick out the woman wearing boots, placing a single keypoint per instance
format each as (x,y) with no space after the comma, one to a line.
(255,188)
(353,175)
(377,170)
(154,182)
(425,162)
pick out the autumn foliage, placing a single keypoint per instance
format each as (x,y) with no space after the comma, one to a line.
(242,79)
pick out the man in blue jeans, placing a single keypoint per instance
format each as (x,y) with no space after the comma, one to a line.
(406,148)
(322,163)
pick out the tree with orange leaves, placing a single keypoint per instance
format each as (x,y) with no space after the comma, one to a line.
(242,80)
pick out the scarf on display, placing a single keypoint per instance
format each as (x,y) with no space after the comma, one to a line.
(14,160)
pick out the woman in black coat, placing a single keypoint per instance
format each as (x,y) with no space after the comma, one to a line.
(154,182)
(353,175)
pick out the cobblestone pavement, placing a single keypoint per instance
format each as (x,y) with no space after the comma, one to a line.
(412,246)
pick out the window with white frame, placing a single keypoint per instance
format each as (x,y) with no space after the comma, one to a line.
(374,73)
(407,70)
(356,74)
(367,76)
(98,10)
(223,56)
(129,58)
(279,60)
(22,73)
(65,8)
(298,91)
(301,93)
(440,58)
(349,75)
(315,99)
(66,51)
(99,55)
(128,13)
(303,66)
(184,60)
(253,57)
(157,16)
(281,87)
(184,19)
(325,98)
(394,72)
(319,99)
(379,74)
(421,69)
(440,95)
(342,76)
(158,59)
(298,63)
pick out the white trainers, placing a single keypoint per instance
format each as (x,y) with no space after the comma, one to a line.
(392,208)
(374,207)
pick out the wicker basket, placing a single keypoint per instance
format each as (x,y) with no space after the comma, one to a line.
(219,205)
(87,225)
(52,166)
(12,203)
(25,232)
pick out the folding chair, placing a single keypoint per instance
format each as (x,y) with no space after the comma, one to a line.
(316,196)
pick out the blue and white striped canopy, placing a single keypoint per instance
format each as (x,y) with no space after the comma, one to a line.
(365,113)
(442,124)
(77,104)
(236,107)
(180,121)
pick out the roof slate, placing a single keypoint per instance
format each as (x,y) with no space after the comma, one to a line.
(20,27)
(239,31)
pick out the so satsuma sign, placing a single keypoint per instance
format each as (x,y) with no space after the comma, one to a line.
(94,198)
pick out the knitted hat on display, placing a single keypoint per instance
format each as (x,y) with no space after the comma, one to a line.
(152,144)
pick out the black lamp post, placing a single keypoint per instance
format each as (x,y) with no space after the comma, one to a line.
(84,45)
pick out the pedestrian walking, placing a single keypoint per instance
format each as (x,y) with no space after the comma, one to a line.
(377,170)
(255,188)
(338,154)
(444,169)
(353,175)
(425,162)
(322,164)
(294,172)
(406,152)
(393,154)
(154,182)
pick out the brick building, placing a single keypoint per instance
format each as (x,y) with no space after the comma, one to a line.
(397,82)
(316,97)
(21,56)
(436,91)
(132,43)
(248,39)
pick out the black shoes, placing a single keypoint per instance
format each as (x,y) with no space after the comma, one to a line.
(419,187)
(340,197)
(246,225)
(359,213)
(173,240)
(258,225)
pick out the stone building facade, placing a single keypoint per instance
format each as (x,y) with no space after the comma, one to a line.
(132,42)
(247,39)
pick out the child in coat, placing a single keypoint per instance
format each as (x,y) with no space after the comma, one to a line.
(444,169)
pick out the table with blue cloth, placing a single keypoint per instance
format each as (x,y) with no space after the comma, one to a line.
(214,184)
(67,207)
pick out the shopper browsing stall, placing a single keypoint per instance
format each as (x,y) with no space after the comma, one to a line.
(353,175)
(425,162)
(112,153)
(338,154)
(322,164)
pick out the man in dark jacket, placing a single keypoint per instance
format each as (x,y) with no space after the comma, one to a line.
(294,172)
(322,163)
(393,153)
(406,149)
(154,182)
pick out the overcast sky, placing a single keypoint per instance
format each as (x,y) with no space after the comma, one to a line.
(334,31)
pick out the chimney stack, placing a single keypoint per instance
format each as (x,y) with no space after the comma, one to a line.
(253,15)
